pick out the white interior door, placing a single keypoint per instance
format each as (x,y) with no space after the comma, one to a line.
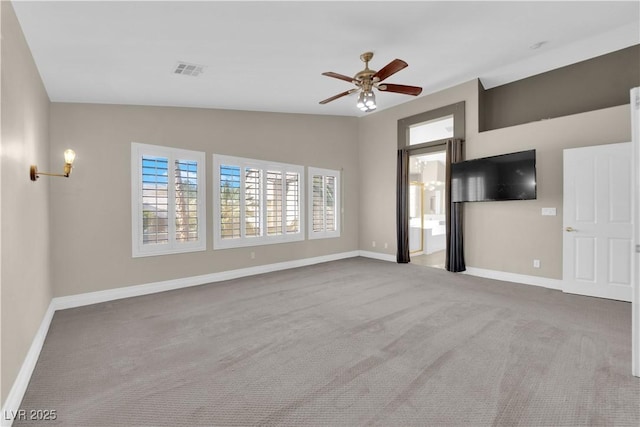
(597,242)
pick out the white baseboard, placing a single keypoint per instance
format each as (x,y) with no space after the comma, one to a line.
(14,398)
(545,282)
(489,274)
(71,301)
(377,255)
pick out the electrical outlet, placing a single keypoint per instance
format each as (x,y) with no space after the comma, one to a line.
(386,245)
(253,255)
(536,263)
(373,244)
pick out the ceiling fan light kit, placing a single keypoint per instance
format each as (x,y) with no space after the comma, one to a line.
(367,79)
(366,101)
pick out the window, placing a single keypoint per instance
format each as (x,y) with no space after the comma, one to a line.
(167,200)
(324,203)
(432,130)
(256,202)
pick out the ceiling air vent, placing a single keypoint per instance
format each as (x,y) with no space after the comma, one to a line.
(187,69)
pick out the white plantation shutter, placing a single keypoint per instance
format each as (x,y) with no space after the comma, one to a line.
(155,202)
(229,199)
(252,205)
(318,203)
(324,204)
(187,206)
(274,203)
(256,202)
(293,200)
(329,203)
(167,199)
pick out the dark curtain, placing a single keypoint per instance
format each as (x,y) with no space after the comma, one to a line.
(402,207)
(454,260)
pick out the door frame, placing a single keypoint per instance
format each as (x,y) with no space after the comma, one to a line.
(456,110)
(635,261)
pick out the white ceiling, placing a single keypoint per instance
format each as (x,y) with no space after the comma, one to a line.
(269,56)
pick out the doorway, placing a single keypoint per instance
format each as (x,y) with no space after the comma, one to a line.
(421,206)
(427,209)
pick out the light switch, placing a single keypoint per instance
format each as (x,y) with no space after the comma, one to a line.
(549,211)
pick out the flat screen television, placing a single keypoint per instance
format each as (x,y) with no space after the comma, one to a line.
(505,177)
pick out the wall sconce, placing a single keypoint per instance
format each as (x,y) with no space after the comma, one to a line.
(69,157)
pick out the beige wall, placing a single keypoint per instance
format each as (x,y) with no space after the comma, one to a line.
(91,211)
(508,236)
(26,288)
(503,236)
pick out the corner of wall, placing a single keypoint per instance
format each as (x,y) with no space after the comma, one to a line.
(481,109)
(24,205)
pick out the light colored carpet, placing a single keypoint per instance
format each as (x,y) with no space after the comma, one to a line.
(436,259)
(346,343)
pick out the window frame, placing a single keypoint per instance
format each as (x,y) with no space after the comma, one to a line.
(431,122)
(264,239)
(324,234)
(139,249)
(456,110)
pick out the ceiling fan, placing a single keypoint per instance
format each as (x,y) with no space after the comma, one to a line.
(367,79)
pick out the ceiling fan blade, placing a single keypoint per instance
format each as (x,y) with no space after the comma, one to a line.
(340,95)
(407,90)
(338,76)
(390,69)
